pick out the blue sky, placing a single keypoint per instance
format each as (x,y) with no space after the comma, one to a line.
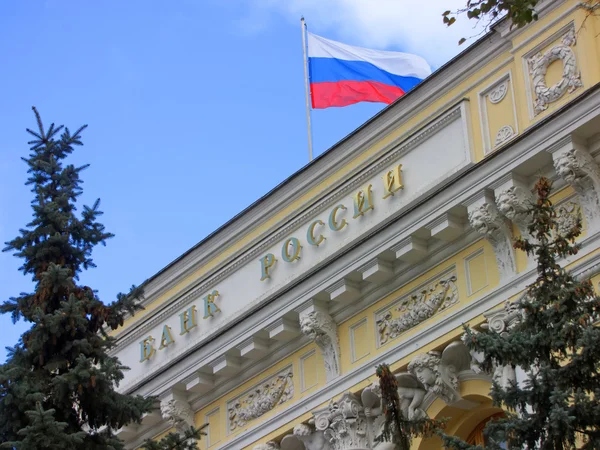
(195,110)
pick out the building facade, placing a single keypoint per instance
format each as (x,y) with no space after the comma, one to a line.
(380,250)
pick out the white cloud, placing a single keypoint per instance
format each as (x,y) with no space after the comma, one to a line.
(412,26)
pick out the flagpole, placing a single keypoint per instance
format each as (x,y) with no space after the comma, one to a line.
(306,89)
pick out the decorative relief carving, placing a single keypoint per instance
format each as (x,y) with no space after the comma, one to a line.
(488,222)
(178,412)
(571,77)
(503,135)
(274,391)
(498,93)
(321,328)
(344,424)
(578,168)
(567,214)
(516,204)
(416,307)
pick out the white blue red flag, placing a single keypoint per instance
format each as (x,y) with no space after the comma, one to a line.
(342,75)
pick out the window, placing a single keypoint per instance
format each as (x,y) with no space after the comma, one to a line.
(477,438)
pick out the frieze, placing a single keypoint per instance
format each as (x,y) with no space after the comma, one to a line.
(260,399)
(567,214)
(416,307)
(195,292)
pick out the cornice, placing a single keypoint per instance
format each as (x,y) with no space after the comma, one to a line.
(436,125)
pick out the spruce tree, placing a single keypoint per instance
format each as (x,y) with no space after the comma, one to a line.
(556,342)
(57,386)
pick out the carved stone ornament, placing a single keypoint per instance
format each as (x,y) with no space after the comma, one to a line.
(261,399)
(571,77)
(417,307)
(438,373)
(271,445)
(503,135)
(305,437)
(498,93)
(516,204)
(578,168)
(502,321)
(178,412)
(321,328)
(344,424)
(567,214)
(488,222)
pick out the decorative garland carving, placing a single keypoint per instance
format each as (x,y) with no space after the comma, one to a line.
(498,93)
(417,307)
(321,328)
(265,396)
(488,222)
(571,77)
(503,135)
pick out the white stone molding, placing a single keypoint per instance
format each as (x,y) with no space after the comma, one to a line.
(199,383)
(448,227)
(538,66)
(317,324)
(260,399)
(438,294)
(271,445)
(226,365)
(175,409)
(254,348)
(377,271)
(344,291)
(344,424)
(504,134)
(578,168)
(411,250)
(485,218)
(498,93)
(283,329)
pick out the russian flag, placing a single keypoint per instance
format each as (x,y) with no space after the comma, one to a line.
(341,75)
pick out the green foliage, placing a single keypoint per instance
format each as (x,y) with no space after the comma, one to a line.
(518,12)
(396,428)
(557,344)
(175,441)
(57,387)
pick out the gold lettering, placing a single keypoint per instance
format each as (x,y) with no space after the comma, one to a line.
(188,319)
(310,233)
(295,247)
(333,223)
(209,304)
(146,348)
(362,201)
(266,264)
(166,338)
(392,181)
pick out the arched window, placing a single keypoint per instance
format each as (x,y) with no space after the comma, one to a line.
(476,437)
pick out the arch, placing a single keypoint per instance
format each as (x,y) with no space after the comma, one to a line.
(462,422)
